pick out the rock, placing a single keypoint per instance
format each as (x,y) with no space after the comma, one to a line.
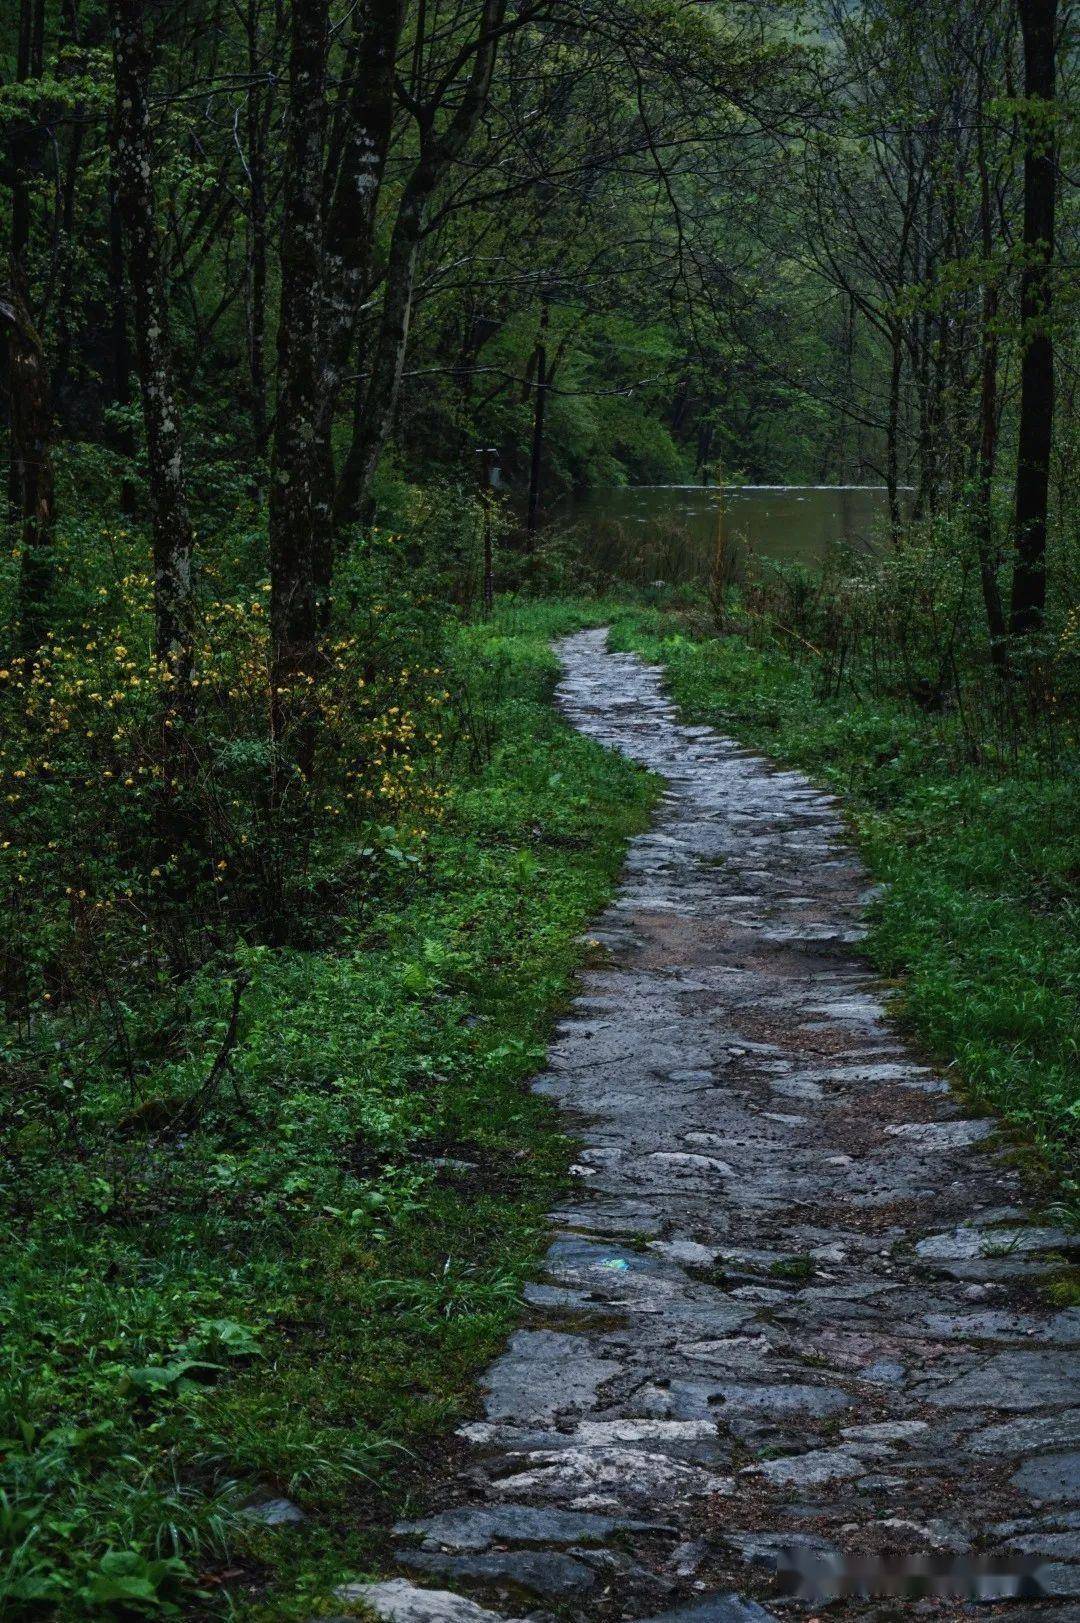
(604,1433)
(1050,1476)
(681,1163)
(937,1534)
(715,1319)
(794,1087)
(560,1296)
(688,1558)
(810,1470)
(1059,1546)
(272,1512)
(1011,1380)
(884,1372)
(728,1608)
(1057,1520)
(1027,1435)
(1056,1580)
(476,1527)
(688,1253)
(997,1324)
(888,1431)
(968,1242)
(399,1601)
(543,1374)
(779,1398)
(773,1550)
(942,1135)
(546,1573)
(606,1479)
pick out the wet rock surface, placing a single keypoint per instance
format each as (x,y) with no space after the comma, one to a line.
(790,1328)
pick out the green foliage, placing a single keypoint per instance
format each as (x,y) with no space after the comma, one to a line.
(363,1192)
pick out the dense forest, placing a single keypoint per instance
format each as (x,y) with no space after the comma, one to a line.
(313,319)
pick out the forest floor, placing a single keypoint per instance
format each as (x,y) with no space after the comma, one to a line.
(795,1320)
(236,1356)
(229,1354)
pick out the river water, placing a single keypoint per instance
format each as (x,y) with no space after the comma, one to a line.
(669,531)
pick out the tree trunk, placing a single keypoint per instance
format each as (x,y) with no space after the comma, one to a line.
(367,124)
(173,586)
(983,516)
(1038,19)
(706,430)
(892,431)
(258,108)
(120,380)
(20,152)
(31,449)
(294,494)
(437,153)
(540,388)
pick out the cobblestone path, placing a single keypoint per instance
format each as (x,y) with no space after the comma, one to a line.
(789,1342)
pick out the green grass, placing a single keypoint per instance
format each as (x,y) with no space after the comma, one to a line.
(980,923)
(296,1295)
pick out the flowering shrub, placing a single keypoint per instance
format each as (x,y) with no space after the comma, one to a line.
(103,861)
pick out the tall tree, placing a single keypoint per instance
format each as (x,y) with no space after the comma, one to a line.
(359,142)
(172,536)
(983,511)
(1038,21)
(31,453)
(295,496)
(442,144)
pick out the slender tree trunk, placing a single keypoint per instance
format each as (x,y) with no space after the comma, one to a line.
(20,146)
(120,434)
(983,516)
(173,586)
(540,388)
(706,430)
(120,349)
(294,494)
(989,559)
(680,405)
(892,430)
(388,357)
(1038,20)
(67,184)
(437,154)
(366,128)
(922,354)
(31,448)
(258,103)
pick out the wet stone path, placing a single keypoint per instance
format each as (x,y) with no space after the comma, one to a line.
(789,1350)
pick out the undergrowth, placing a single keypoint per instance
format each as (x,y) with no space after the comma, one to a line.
(291,1290)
